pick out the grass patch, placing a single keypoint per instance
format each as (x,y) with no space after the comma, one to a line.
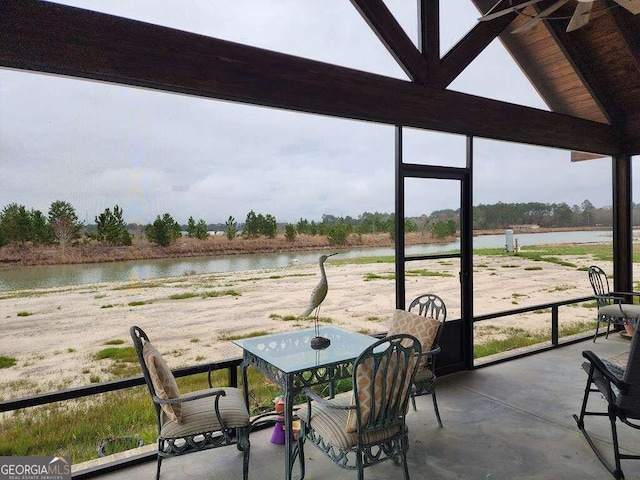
(137,303)
(287,318)
(75,427)
(117,341)
(561,288)
(135,285)
(220,293)
(426,273)
(209,294)
(182,296)
(126,354)
(231,337)
(6,362)
(364,260)
(24,314)
(109,305)
(519,338)
(529,269)
(374,276)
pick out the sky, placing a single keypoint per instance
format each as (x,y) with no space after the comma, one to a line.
(96,145)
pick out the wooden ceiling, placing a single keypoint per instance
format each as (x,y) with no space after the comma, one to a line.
(590,79)
(591,73)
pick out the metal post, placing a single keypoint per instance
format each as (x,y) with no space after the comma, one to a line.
(622,226)
(466,257)
(399,223)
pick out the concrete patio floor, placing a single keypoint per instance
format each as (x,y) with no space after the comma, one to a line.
(502,422)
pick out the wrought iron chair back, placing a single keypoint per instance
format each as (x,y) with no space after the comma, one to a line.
(612,309)
(620,387)
(429,305)
(371,428)
(214,417)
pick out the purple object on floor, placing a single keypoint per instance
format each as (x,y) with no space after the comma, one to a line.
(277,436)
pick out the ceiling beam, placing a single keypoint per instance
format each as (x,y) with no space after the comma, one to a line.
(46,37)
(429,36)
(575,50)
(466,50)
(630,34)
(394,38)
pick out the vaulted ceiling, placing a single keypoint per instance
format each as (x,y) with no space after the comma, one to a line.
(592,72)
(590,78)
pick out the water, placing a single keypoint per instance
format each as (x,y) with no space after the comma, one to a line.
(50,276)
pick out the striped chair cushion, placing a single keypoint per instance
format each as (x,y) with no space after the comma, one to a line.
(164,383)
(329,424)
(199,416)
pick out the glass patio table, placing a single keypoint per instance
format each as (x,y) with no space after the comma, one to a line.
(288,359)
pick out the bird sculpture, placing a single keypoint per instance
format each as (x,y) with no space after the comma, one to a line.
(317,296)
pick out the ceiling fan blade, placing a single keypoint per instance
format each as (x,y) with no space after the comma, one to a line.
(500,13)
(540,17)
(581,16)
(632,5)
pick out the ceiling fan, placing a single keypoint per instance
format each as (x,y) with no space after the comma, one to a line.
(579,18)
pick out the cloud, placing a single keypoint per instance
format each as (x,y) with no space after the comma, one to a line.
(95,144)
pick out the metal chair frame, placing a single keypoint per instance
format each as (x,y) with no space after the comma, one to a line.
(429,305)
(620,387)
(389,424)
(605,298)
(174,446)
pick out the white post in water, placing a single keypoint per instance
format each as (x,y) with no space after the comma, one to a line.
(509,238)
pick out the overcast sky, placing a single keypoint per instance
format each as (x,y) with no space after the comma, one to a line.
(96,145)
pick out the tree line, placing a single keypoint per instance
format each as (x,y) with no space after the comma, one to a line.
(19,225)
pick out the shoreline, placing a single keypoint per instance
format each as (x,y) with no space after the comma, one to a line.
(54,334)
(88,252)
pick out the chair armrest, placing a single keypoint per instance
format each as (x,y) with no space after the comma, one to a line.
(624,294)
(320,399)
(595,361)
(616,298)
(189,397)
(435,349)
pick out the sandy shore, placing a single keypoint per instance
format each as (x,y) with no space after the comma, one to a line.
(54,334)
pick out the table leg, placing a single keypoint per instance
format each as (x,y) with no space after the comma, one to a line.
(288,435)
(245,385)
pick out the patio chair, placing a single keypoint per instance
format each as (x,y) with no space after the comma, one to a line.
(620,388)
(195,421)
(425,320)
(611,306)
(370,427)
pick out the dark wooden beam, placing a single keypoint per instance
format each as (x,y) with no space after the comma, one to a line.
(429,36)
(622,225)
(46,37)
(394,38)
(576,53)
(628,30)
(467,49)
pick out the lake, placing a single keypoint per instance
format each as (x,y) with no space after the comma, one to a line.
(50,276)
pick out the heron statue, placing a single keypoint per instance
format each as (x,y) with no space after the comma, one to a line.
(317,296)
